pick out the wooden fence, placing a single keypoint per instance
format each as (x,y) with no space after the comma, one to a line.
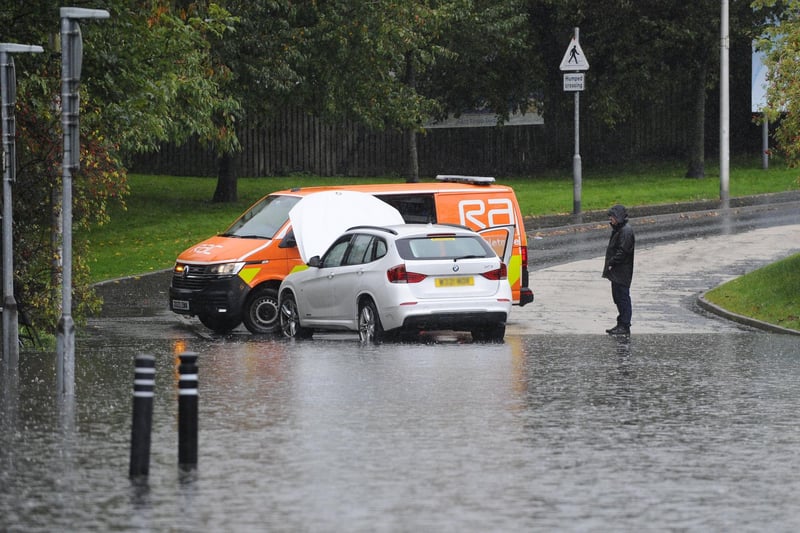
(296,142)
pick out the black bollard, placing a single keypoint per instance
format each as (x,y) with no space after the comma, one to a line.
(187,411)
(143,384)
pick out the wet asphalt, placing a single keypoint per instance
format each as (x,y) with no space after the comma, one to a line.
(682,251)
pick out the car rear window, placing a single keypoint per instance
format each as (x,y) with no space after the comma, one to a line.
(444,247)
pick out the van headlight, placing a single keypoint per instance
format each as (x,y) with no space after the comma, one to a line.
(226,269)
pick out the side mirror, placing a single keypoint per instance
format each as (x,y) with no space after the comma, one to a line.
(288,241)
(314,262)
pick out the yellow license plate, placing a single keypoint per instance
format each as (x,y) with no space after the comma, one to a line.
(462,281)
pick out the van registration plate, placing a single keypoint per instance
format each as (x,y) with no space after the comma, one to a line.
(180,305)
(461,281)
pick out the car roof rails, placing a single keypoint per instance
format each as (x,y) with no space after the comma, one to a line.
(379,228)
(472,180)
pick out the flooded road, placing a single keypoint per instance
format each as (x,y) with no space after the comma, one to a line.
(692,425)
(573,432)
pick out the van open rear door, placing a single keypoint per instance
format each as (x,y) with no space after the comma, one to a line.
(501,239)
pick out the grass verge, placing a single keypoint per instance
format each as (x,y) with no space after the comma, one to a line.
(167,214)
(769,294)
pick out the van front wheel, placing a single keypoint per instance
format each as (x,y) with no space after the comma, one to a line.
(261,311)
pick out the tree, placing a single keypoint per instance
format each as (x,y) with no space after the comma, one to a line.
(670,49)
(781,44)
(262,56)
(147,77)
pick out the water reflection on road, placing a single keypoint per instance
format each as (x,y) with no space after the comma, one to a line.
(542,432)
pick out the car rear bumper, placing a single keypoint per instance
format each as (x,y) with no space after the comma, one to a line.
(458,321)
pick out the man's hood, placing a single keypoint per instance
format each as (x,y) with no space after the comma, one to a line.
(620,213)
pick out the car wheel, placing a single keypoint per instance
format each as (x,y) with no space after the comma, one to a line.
(369,323)
(492,333)
(290,320)
(261,311)
(219,324)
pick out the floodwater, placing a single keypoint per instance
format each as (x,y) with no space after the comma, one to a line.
(542,433)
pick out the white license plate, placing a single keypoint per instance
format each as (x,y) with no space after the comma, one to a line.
(181,305)
(461,281)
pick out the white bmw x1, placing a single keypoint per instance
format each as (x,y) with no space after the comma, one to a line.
(384,280)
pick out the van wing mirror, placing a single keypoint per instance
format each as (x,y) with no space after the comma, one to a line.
(314,262)
(288,240)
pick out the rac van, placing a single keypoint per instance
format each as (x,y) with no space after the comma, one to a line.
(233,277)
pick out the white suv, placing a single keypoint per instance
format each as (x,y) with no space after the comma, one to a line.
(408,277)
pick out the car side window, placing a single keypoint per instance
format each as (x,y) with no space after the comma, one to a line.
(333,257)
(378,248)
(359,249)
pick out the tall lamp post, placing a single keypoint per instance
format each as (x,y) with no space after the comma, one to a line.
(71,57)
(724,106)
(8,86)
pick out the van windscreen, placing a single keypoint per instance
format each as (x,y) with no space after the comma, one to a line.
(264,219)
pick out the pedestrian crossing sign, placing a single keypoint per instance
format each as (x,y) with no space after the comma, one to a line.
(574,58)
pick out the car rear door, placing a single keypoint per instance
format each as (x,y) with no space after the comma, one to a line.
(350,278)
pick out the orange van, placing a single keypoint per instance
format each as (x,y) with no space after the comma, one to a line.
(234,277)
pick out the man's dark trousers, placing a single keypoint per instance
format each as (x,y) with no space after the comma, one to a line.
(622,298)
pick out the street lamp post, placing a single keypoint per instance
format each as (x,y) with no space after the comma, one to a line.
(724,107)
(8,86)
(71,56)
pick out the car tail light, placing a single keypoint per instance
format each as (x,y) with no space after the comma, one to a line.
(498,273)
(399,274)
(524,254)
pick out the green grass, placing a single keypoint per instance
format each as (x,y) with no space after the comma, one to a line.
(167,214)
(769,294)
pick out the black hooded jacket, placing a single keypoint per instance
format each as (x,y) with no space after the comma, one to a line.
(618,266)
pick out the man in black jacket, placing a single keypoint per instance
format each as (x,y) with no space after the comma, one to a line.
(618,267)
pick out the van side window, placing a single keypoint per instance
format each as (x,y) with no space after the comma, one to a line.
(415,208)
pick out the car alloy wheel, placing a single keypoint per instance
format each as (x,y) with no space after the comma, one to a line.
(369,324)
(290,320)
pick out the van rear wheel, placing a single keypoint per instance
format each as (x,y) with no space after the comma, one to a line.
(261,311)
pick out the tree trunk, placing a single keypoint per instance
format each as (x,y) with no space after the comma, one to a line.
(412,159)
(697,146)
(226,191)
(412,156)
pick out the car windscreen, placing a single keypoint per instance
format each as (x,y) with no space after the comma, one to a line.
(444,247)
(264,219)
